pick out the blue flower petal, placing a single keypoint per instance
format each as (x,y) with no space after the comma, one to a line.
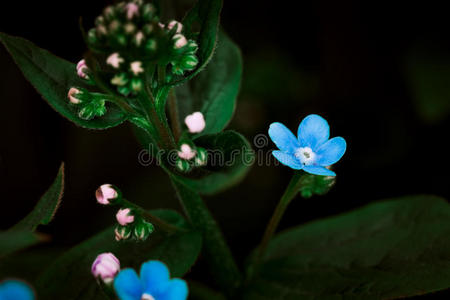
(283,138)
(128,286)
(313,131)
(318,170)
(331,152)
(288,160)
(15,290)
(177,290)
(155,276)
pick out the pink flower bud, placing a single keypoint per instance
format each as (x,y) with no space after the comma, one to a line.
(132,10)
(81,69)
(180,41)
(114,60)
(195,122)
(105,193)
(72,95)
(123,217)
(136,67)
(106,266)
(174,23)
(186,152)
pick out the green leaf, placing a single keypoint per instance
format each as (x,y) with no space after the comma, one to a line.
(214,91)
(46,208)
(52,77)
(14,240)
(310,185)
(202,23)
(391,249)
(69,276)
(231,157)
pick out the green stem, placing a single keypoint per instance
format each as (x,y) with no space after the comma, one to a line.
(173,111)
(169,228)
(289,194)
(216,250)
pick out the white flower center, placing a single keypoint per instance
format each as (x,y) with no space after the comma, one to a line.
(306,156)
(147,297)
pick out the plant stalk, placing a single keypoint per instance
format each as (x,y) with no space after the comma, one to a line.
(217,252)
(289,194)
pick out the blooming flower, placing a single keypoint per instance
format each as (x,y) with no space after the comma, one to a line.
(195,122)
(136,67)
(312,151)
(106,266)
(15,290)
(105,193)
(154,284)
(124,217)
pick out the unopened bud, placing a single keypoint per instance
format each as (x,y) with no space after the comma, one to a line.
(183,165)
(105,266)
(81,69)
(105,194)
(72,95)
(186,152)
(124,217)
(180,41)
(114,60)
(195,122)
(122,232)
(201,158)
(178,25)
(143,230)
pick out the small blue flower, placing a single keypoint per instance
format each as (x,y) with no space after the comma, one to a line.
(15,290)
(154,284)
(312,151)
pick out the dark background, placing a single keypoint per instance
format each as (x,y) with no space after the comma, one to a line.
(379,72)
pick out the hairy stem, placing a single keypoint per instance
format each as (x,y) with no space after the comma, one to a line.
(173,112)
(289,194)
(216,250)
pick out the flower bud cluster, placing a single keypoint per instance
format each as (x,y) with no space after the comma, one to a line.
(130,222)
(90,104)
(128,41)
(190,156)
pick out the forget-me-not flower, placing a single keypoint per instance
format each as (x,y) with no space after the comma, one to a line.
(15,290)
(312,151)
(154,284)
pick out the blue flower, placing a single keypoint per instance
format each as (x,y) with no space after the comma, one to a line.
(15,290)
(312,151)
(154,284)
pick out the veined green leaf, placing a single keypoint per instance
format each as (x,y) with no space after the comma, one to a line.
(69,277)
(46,208)
(392,249)
(14,240)
(52,77)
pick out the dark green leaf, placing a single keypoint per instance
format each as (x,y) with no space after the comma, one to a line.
(46,208)
(204,19)
(230,158)
(214,91)
(52,77)
(391,249)
(69,276)
(14,240)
